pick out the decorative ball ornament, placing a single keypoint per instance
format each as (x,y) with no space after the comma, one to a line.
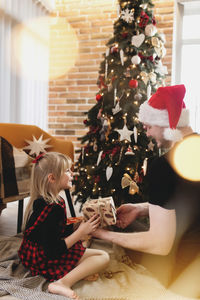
(136,60)
(133,83)
(98,97)
(138,97)
(150,30)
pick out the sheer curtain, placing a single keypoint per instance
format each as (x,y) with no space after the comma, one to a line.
(23,91)
(186,64)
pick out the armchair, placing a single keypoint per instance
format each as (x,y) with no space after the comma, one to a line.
(16,134)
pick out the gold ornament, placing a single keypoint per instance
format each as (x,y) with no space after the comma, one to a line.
(110,274)
(144,77)
(160,51)
(152,77)
(126,260)
(155,42)
(128,181)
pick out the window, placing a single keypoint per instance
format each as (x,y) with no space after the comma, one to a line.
(186,64)
(23,96)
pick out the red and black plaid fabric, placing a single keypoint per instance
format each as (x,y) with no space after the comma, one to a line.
(34,258)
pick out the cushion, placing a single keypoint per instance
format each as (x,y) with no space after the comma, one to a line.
(15,170)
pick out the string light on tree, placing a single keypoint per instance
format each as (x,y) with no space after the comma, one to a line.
(129,74)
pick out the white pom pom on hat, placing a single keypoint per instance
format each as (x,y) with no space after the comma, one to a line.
(166,108)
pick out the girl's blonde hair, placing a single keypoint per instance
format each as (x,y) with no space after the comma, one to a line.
(50,163)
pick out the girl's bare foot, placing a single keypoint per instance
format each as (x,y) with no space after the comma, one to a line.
(59,288)
(93,277)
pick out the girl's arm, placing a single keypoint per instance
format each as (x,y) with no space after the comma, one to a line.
(158,240)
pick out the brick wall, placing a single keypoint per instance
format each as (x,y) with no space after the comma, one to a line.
(74,90)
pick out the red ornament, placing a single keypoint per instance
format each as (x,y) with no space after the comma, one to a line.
(114,49)
(97,179)
(85,122)
(144,19)
(133,83)
(153,21)
(145,57)
(98,97)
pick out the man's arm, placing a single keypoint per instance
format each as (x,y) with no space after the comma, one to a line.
(158,240)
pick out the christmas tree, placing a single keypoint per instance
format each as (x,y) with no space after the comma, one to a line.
(115,150)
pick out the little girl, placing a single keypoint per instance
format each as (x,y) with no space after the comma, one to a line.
(50,247)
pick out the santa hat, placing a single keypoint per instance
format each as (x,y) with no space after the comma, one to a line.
(166,108)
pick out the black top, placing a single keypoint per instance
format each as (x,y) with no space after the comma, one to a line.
(162,181)
(169,190)
(49,232)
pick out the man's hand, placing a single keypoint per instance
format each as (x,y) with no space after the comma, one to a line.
(100,233)
(126,214)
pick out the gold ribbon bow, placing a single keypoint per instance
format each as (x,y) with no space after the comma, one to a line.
(128,181)
(148,76)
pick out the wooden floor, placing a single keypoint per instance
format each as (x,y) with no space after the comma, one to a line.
(8,219)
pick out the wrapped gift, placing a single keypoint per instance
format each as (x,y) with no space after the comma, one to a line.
(74,220)
(104,207)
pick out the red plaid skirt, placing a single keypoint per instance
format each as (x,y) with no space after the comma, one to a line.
(33,257)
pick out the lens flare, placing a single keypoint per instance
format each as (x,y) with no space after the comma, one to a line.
(64,47)
(30,47)
(44,48)
(185,158)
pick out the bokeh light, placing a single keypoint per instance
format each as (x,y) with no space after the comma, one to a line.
(64,47)
(44,48)
(30,41)
(185,159)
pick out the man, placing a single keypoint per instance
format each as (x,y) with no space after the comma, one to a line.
(173,206)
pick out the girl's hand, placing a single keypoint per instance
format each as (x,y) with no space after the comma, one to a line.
(89,226)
